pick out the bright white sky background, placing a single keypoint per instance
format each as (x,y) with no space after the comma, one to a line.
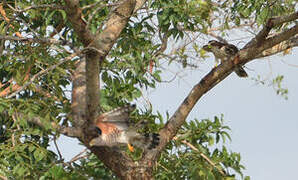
(264,125)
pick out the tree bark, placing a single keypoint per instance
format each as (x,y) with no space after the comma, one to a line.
(99,45)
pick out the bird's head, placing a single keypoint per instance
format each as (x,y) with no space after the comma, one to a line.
(95,142)
(211,45)
(96,131)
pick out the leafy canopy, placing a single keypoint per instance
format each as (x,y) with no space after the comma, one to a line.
(124,74)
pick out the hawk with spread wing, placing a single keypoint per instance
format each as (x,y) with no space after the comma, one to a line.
(224,52)
(113,129)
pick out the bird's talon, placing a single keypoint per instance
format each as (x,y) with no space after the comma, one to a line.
(130,148)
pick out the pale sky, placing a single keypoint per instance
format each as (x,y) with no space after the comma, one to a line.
(264,125)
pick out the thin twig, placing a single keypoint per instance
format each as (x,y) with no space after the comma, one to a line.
(57,148)
(3,177)
(202,155)
(13,140)
(3,13)
(14,87)
(41,6)
(37,40)
(78,156)
(91,5)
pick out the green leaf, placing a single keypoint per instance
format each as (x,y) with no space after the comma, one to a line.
(38,154)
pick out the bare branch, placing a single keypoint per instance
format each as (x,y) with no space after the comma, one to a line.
(272,41)
(78,156)
(281,47)
(91,5)
(74,15)
(271,23)
(37,40)
(70,131)
(41,6)
(57,148)
(284,19)
(67,131)
(252,52)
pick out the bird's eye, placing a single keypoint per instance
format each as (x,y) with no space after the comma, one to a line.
(98,130)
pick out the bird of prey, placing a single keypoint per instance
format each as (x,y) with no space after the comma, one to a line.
(224,52)
(113,129)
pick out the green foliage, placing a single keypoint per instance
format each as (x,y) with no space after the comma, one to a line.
(125,73)
(261,10)
(184,157)
(172,15)
(276,83)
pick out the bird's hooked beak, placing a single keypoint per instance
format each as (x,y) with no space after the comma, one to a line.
(92,142)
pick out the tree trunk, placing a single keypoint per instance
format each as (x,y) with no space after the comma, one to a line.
(139,173)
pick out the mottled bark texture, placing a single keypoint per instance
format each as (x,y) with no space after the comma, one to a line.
(85,96)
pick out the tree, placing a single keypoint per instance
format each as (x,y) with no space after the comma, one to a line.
(105,52)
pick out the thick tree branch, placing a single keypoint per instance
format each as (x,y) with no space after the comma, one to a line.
(118,161)
(114,159)
(272,41)
(215,76)
(97,48)
(281,47)
(78,99)
(250,53)
(271,23)
(103,43)
(74,15)
(68,131)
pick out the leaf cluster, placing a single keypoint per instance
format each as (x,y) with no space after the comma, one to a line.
(199,152)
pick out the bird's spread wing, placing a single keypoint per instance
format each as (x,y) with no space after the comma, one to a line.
(111,127)
(117,119)
(114,130)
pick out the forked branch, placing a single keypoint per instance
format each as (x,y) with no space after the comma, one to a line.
(250,52)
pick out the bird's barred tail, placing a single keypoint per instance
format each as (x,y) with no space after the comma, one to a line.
(151,140)
(147,141)
(240,72)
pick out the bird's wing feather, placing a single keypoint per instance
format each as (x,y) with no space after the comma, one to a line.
(109,128)
(117,115)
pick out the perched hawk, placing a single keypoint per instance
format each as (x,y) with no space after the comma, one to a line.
(113,130)
(224,52)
